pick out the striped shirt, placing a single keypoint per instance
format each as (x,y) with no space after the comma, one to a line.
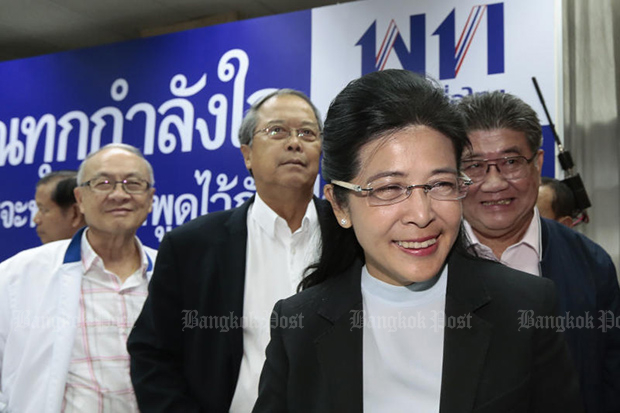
(98,378)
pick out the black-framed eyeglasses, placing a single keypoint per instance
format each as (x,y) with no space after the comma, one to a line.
(510,167)
(387,192)
(282,132)
(132,186)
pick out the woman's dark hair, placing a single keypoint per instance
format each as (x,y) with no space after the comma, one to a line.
(367,109)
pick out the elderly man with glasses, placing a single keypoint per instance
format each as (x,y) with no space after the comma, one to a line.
(503,224)
(67,307)
(199,344)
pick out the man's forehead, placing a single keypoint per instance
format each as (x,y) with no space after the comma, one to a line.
(281,105)
(497,142)
(114,161)
(45,190)
(283,99)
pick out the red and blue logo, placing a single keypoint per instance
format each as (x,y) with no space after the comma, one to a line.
(452,51)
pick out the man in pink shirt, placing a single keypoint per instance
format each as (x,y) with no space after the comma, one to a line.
(503,224)
(67,307)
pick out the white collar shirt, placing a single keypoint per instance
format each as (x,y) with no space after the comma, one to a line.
(275,261)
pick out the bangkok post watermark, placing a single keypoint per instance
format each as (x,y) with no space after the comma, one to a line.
(421,320)
(605,320)
(29,320)
(32,320)
(192,319)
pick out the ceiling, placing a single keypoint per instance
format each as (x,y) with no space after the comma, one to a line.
(35,27)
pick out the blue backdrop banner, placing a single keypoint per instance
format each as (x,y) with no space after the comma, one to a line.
(180,97)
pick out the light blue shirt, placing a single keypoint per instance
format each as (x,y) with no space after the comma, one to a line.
(403,344)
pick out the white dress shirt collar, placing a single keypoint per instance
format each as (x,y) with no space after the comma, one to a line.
(90,258)
(270,222)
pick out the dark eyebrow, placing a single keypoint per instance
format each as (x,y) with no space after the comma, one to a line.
(438,171)
(384,174)
(445,171)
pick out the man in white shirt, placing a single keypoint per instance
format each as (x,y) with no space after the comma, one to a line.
(504,225)
(200,340)
(67,307)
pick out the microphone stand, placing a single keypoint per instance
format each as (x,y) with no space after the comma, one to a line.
(573,180)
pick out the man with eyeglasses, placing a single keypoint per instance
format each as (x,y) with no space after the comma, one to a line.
(67,307)
(503,224)
(199,344)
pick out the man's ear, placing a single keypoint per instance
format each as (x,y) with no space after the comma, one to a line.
(539,160)
(342,214)
(77,192)
(566,220)
(246,151)
(77,218)
(152,192)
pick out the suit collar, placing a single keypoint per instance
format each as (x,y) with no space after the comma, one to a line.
(544,236)
(234,251)
(465,349)
(73,253)
(341,294)
(339,344)
(233,262)
(464,283)
(237,223)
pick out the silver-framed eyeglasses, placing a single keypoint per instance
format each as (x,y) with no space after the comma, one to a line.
(132,186)
(387,191)
(282,132)
(510,167)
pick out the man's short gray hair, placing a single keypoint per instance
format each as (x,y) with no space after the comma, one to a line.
(499,110)
(122,146)
(250,120)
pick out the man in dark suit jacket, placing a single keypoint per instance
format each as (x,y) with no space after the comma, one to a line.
(496,358)
(503,224)
(198,344)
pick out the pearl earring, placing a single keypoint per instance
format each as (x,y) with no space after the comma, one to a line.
(343,221)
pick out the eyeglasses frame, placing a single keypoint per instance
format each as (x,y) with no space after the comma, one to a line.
(114,183)
(527,160)
(408,190)
(264,130)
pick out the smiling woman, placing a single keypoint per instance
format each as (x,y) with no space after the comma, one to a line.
(397,317)
(406,241)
